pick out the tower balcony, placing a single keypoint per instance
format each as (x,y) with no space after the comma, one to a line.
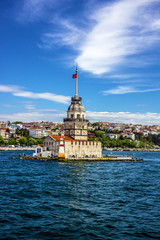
(76,99)
(75,120)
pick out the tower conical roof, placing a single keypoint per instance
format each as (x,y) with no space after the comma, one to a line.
(76,105)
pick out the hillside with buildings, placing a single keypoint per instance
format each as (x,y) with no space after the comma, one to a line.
(112,135)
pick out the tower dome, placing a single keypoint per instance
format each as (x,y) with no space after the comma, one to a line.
(76,109)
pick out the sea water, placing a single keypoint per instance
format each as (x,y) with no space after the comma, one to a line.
(80,200)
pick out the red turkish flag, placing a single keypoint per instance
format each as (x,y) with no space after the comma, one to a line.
(74,75)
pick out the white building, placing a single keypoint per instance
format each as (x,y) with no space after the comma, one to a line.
(38,132)
(112,136)
(130,135)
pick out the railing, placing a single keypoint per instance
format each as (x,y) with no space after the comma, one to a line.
(75,119)
(76,99)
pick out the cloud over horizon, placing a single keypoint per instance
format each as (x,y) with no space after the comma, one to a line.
(55,115)
(17,91)
(125,117)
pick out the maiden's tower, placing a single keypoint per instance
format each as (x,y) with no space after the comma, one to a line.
(75,139)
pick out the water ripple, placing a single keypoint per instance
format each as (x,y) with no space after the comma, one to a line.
(80,200)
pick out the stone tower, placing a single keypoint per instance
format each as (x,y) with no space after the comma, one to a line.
(75,125)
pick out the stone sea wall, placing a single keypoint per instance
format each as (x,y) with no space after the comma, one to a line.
(133,149)
(17,148)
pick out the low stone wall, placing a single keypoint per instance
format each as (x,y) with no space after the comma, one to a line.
(17,148)
(132,149)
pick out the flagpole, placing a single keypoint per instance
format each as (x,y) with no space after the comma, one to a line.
(77,80)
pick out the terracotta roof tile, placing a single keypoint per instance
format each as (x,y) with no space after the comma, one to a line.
(65,138)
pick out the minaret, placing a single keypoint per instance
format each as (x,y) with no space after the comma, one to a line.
(76,126)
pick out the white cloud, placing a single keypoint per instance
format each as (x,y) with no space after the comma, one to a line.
(127,89)
(48,96)
(110,35)
(55,115)
(33,10)
(9,88)
(67,34)
(156,24)
(125,117)
(34,116)
(16,91)
(124,76)
(29,106)
(122,29)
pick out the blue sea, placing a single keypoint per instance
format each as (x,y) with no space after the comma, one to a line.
(80,200)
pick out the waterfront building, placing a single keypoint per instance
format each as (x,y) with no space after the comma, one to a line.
(75,137)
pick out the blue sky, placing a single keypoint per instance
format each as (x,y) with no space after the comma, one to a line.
(115,43)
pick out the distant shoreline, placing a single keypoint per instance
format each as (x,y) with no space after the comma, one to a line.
(132,149)
(105,149)
(17,148)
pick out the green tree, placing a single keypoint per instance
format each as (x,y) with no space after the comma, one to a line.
(141,144)
(155,139)
(11,141)
(23,141)
(26,132)
(23,132)
(17,122)
(39,140)
(2,140)
(139,136)
(96,124)
(31,141)
(121,137)
(133,128)
(104,129)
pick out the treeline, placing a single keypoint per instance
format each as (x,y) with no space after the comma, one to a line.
(22,141)
(155,139)
(140,141)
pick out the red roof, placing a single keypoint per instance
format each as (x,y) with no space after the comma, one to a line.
(65,138)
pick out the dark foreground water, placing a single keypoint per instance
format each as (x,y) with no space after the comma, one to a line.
(80,200)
